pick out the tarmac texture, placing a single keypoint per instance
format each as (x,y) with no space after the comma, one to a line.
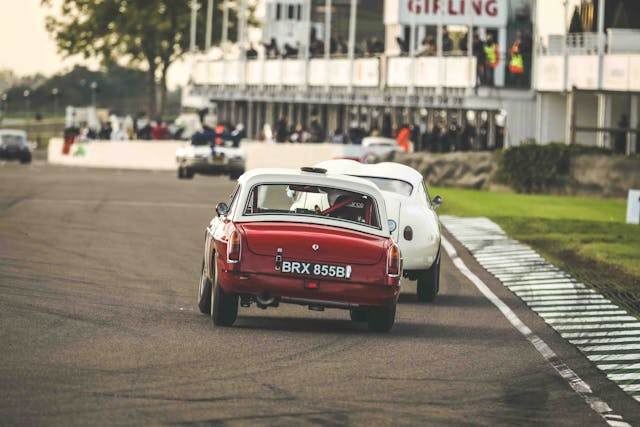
(99,325)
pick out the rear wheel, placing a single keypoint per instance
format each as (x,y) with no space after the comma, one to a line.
(358,314)
(25,158)
(381,319)
(224,306)
(204,292)
(188,173)
(429,282)
(180,172)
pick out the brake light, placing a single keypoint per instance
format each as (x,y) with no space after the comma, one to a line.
(393,261)
(234,247)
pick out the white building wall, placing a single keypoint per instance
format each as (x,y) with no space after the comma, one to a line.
(552,117)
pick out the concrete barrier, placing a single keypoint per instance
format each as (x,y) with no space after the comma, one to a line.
(160,155)
(152,155)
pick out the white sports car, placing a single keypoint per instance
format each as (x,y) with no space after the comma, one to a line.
(202,158)
(417,230)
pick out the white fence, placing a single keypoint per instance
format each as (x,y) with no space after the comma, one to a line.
(619,73)
(455,72)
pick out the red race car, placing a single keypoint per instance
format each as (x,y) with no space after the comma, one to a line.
(301,237)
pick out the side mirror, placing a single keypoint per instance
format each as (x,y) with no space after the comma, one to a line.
(392,225)
(222,209)
(437,201)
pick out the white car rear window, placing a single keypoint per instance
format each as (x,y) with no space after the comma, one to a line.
(313,200)
(391,185)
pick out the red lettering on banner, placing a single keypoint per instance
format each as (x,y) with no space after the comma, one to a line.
(492,8)
(480,8)
(477,6)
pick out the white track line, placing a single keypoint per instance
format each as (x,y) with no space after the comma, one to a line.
(595,327)
(611,357)
(580,314)
(575,382)
(576,307)
(623,377)
(615,340)
(601,334)
(611,347)
(618,366)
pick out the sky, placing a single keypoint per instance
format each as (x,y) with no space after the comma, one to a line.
(27,48)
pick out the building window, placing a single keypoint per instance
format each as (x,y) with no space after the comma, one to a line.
(292,10)
(278,11)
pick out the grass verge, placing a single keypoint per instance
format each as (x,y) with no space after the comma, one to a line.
(586,237)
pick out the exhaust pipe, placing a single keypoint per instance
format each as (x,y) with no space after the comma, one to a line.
(265,300)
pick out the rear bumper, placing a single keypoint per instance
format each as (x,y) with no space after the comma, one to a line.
(14,154)
(328,293)
(204,166)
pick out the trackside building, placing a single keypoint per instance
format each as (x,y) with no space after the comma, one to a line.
(427,71)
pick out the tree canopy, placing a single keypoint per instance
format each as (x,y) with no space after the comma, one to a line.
(147,34)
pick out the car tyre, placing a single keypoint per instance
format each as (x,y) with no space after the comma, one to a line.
(358,314)
(381,319)
(188,173)
(204,292)
(235,174)
(429,282)
(224,306)
(25,159)
(180,172)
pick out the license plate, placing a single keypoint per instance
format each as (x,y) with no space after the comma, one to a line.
(315,269)
(217,160)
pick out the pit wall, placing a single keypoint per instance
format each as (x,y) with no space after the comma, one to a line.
(160,155)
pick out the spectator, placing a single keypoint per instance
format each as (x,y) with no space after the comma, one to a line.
(375,46)
(341,47)
(252,53)
(492,52)
(481,57)
(436,135)
(463,43)
(160,130)
(526,48)
(289,51)
(447,43)
(516,64)
(105,131)
(338,137)
(238,134)
(403,45)
(317,132)
(281,130)
(271,49)
(428,46)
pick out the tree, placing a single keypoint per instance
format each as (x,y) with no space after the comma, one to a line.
(148,34)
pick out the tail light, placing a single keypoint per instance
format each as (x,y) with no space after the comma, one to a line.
(234,247)
(393,261)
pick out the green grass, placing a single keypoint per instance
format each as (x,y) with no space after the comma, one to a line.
(586,237)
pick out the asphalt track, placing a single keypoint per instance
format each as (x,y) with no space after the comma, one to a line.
(99,325)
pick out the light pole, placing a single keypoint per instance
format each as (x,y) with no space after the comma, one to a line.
(54,93)
(26,94)
(5,103)
(94,87)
